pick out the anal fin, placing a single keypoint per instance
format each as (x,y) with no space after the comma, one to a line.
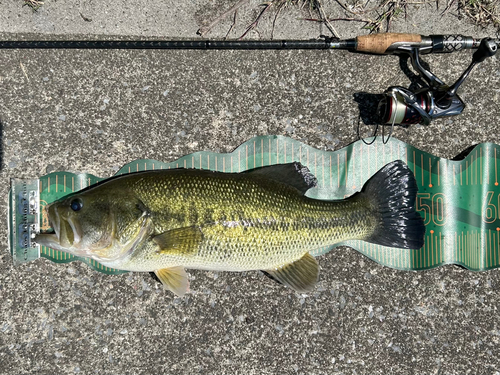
(174,279)
(301,275)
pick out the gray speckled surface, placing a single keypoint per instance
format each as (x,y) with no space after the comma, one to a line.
(94,111)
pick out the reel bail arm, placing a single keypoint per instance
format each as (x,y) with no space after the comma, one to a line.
(404,107)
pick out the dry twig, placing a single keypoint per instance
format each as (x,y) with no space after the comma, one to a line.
(202,31)
(325,18)
(33,4)
(254,24)
(232,26)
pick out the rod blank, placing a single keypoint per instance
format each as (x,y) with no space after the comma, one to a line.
(171,44)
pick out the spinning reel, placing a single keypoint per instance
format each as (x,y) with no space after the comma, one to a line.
(403,106)
(399,105)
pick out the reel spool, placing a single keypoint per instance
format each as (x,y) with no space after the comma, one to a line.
(394,109)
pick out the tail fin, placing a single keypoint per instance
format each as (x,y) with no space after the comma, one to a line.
(392,192)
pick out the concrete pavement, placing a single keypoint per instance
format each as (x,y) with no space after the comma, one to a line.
(93,111)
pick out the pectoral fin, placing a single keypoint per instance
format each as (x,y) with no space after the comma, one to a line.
(300,275)
(179,241)
(174,279)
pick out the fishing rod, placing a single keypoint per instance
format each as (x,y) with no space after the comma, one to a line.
(399,105)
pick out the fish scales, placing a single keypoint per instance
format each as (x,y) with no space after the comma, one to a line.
(247,223)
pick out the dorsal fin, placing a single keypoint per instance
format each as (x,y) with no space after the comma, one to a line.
(293,174)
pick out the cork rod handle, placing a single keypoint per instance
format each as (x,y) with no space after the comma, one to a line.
(379,43)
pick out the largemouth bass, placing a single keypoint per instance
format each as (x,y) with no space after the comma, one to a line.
(169,220)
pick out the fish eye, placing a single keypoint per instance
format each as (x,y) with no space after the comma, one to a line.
(76,204)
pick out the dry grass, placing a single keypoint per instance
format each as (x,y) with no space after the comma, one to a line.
(376,15)
(481,12)
(33,4)
(378,18)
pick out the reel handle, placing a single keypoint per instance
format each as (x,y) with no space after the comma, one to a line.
(487,48)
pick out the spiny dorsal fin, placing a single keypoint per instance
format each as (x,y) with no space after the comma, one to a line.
(300,275)
(293,174)
(180,240)
(174,279)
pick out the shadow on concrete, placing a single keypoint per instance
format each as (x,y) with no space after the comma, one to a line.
(154,277)
(465,152)
(368,104)
(1,144)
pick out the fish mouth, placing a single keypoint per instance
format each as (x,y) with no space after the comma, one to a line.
(67,229)
(68,235)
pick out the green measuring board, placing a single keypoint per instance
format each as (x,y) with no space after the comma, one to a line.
(458,200)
